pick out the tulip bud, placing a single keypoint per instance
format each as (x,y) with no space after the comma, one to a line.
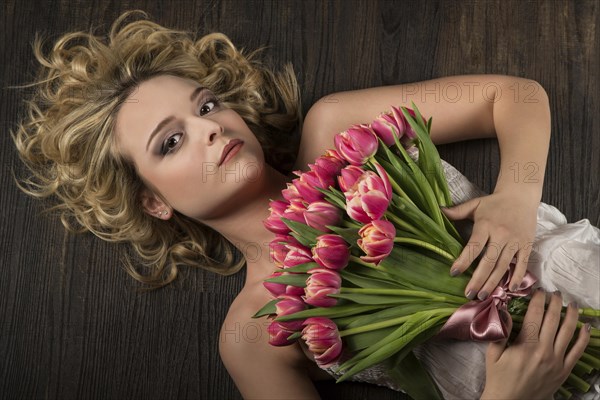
(331,251)
(276,289)
(295,210)
(297,254)
(323,340)
(278,334)
(348,177)
(357,144)
(274,222)
(371,198)
(377,240)
(287,305)
(319,285)
(321,213)
(291,192)
(307,184)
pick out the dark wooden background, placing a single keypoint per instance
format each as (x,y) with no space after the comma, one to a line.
(71,324)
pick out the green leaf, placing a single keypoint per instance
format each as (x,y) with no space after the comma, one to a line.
(350,235)
(394,312)
(302,267)
(267,309)
(298,280)
(330,312)
(363,340)
(368,282)
(375,298)
(294,336)
(414,379)
(404,336)
(307,232)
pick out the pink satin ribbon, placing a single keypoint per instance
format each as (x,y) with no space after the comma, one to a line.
(480,319)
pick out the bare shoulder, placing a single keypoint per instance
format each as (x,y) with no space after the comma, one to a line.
(260,370)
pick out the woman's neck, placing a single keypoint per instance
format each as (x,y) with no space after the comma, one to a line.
(244,227)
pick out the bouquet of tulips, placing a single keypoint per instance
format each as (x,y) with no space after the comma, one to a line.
(363,252)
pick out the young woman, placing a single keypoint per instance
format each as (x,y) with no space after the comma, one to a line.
(177,146)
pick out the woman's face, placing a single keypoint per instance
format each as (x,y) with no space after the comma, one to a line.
(175,132)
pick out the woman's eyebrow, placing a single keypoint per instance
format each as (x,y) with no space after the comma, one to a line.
(160,125)
(165,121)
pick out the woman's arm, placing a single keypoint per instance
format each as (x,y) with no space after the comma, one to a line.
(514,109)
(260,370)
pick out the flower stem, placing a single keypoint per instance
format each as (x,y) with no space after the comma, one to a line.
(589,312)
(425,245)
(390,322)
(404,225)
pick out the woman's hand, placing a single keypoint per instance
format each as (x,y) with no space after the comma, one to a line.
(535,365)
(506,222)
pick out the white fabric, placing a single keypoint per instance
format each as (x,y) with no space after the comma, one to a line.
(565,257)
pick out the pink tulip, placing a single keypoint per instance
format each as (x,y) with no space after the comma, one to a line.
(334,154)
(306,183)
(408,135)
(274,222)
(320,283)
(295,210)
(289,305)
(294,290)
(371,198)
(348,177)
(331,251)
(291,192)
(297,254)
(276,289)
(278,334)
(386,130)
(357,144)
(321,213)
(327,167)
(278,249)
(323,340)
(377,240)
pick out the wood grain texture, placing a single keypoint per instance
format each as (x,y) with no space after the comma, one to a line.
(72,325)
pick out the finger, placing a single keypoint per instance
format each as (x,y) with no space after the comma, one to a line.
(520,267)
(552,321)
(479,237)
(497,348)
(483,270)
(463,210)
(500,269)
(533,318)
(565,333)
(578,348)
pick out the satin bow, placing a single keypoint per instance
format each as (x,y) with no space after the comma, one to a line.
(480,320)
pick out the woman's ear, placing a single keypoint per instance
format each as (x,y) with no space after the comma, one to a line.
(154,205)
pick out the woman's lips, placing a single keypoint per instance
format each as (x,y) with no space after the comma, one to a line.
(231,150)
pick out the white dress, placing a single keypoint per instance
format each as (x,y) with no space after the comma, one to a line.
(565,257)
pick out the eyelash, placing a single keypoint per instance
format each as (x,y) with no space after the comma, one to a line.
(164,149)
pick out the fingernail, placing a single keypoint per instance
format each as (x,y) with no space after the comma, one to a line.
(514,287)
(482,295)
(454,272)
(587,326)
(471,294)
(557,292)
(574,305)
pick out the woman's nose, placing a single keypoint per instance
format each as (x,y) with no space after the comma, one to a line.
(207,128)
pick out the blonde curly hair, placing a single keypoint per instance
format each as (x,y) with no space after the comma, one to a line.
(67,143)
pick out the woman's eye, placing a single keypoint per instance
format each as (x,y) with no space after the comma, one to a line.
(170,143)
(208,106)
